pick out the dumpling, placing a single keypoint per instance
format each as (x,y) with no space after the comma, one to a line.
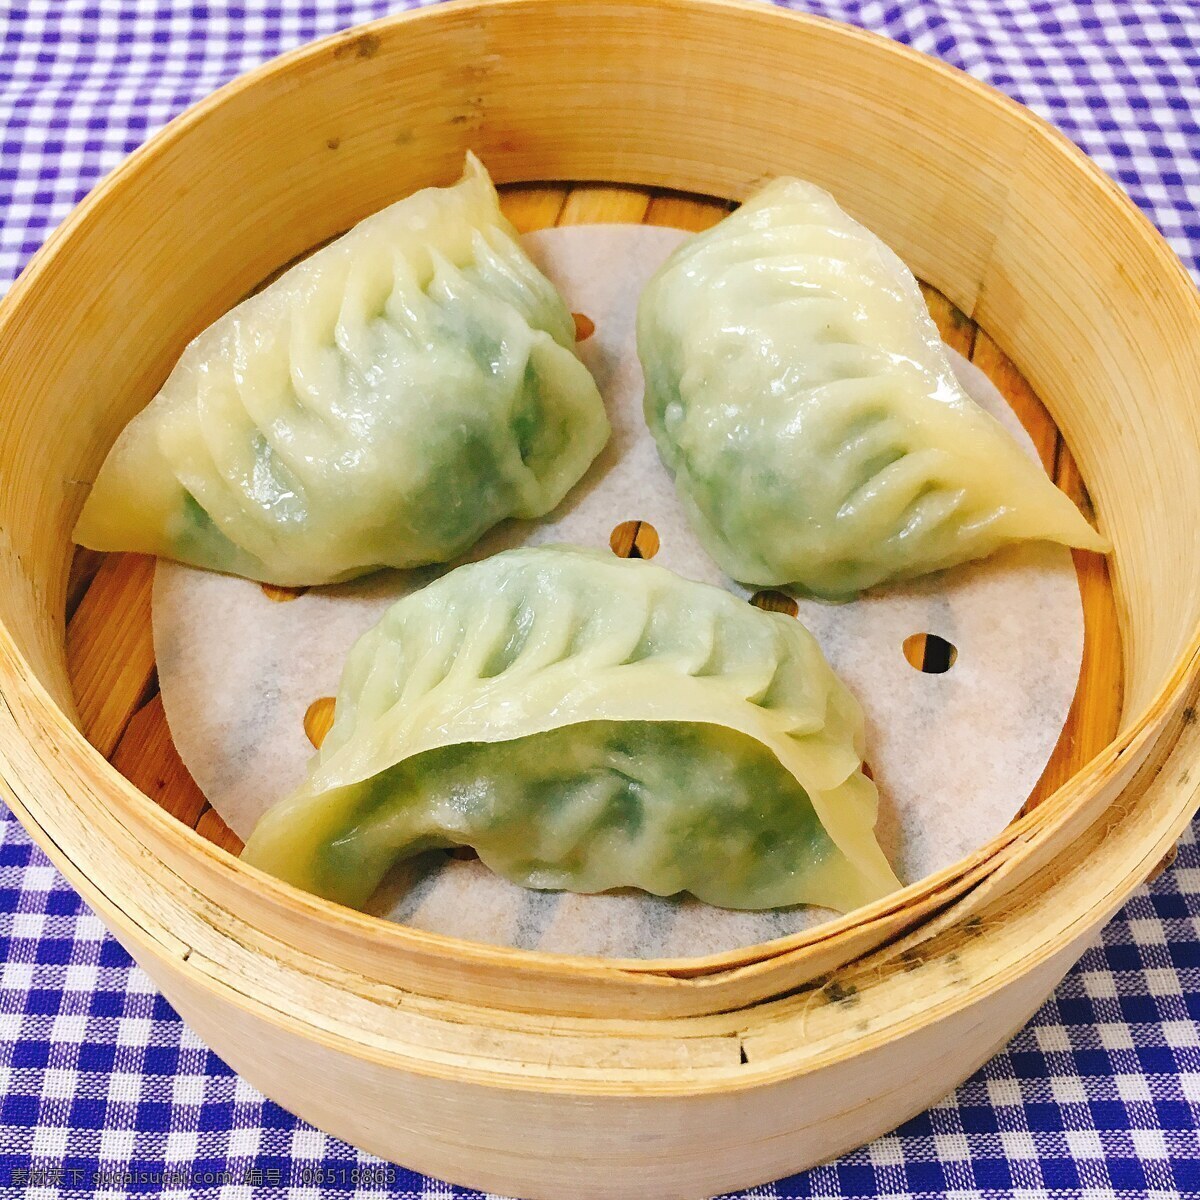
(587,722)
(382,403)
(799,392)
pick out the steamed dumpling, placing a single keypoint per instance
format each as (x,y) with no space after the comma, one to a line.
(797,389)
(587,722)
(383,403)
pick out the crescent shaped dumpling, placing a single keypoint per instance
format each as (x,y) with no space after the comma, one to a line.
(799,392)
(586,722)
(383,403)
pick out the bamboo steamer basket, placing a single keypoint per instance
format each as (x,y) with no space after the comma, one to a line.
(540,1075)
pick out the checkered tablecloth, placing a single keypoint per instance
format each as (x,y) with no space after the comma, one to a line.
(102,1088)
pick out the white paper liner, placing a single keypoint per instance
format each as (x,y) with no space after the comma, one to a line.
(954,755)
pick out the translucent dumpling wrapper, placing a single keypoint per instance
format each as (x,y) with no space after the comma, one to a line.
(585,723)
(799,392)
(383,403)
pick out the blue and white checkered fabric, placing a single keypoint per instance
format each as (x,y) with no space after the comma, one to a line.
(104,1092)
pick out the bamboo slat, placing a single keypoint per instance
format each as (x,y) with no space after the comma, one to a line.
(110,647)
(530,208)
(147,757)
(592,204)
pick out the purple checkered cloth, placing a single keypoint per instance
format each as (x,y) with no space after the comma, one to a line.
(103,1091)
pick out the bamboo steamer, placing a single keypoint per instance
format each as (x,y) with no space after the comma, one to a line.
(539,1075)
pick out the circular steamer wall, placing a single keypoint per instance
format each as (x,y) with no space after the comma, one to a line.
(410,1044)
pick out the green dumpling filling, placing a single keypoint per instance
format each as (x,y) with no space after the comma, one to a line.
(667,807)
